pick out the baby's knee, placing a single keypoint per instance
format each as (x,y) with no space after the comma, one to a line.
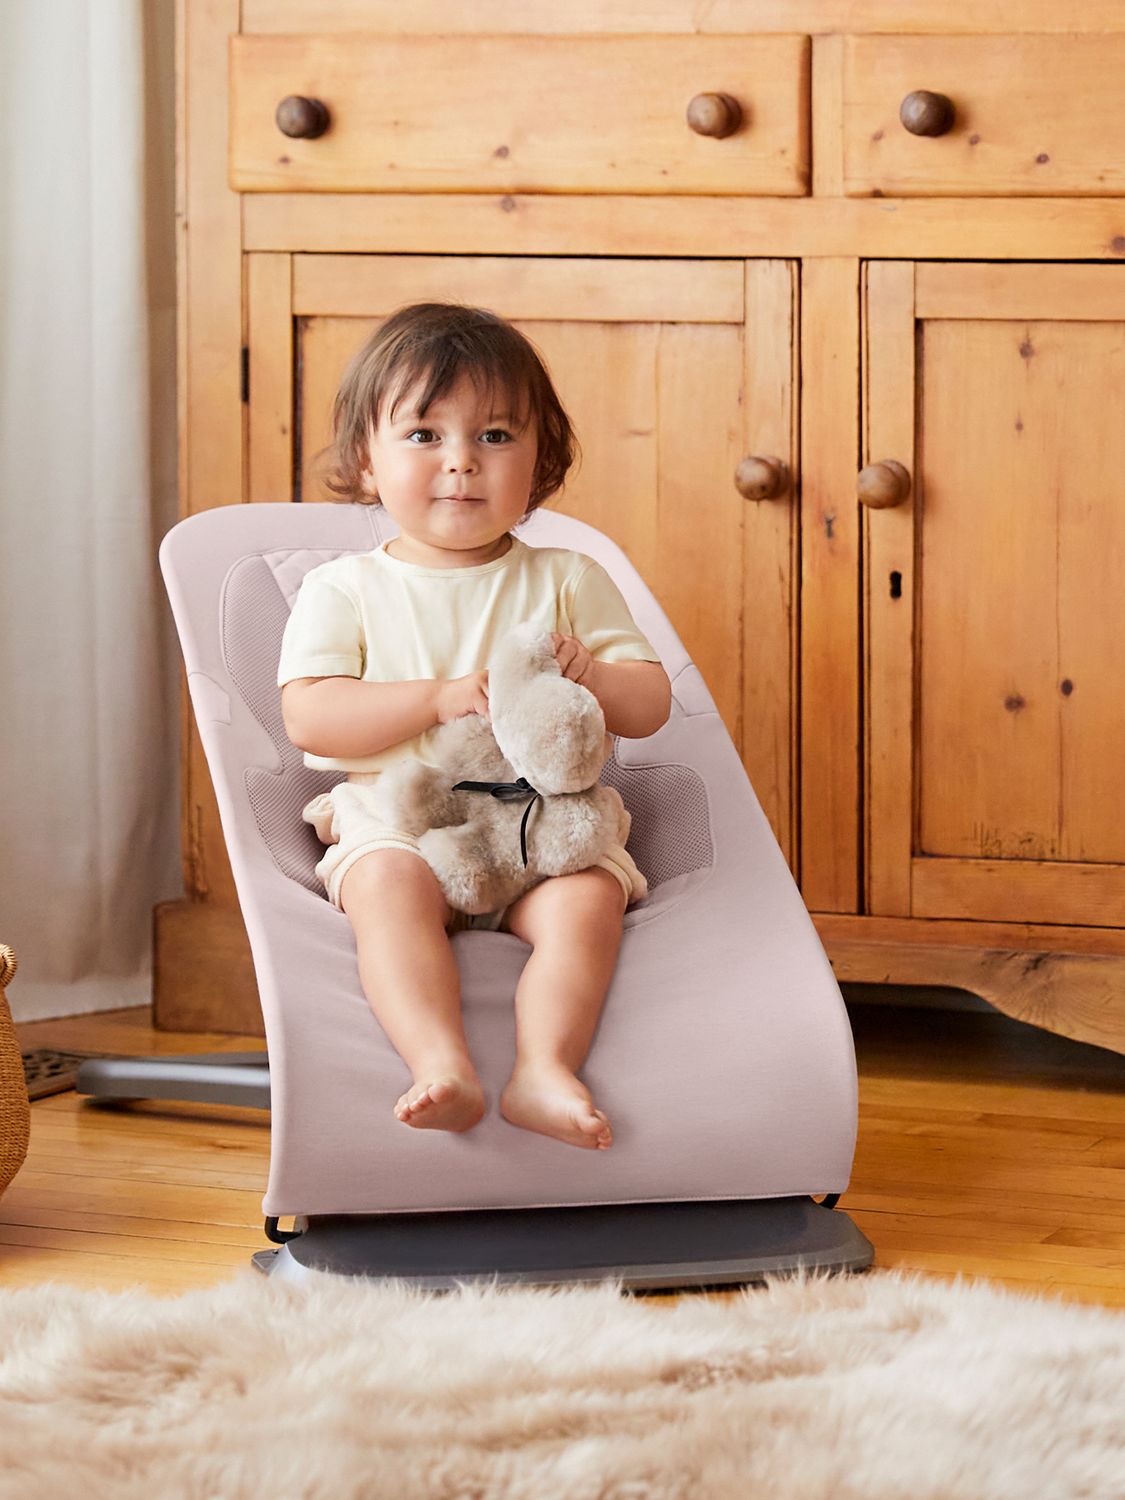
(391,878)
(594,889)
(565,905)
(596,894)
(607,892)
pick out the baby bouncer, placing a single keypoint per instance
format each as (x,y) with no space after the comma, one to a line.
(723,1056)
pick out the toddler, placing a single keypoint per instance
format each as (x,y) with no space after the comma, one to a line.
(448,419)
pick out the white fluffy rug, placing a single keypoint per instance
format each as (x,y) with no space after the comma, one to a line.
(873,1387)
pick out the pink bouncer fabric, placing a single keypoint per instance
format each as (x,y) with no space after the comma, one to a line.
(723,1057)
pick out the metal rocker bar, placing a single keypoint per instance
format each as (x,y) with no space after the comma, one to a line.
(201,1077)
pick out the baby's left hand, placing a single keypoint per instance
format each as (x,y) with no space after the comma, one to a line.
(573,658)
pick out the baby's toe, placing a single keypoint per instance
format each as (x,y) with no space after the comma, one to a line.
(594,1123)
(415,1099)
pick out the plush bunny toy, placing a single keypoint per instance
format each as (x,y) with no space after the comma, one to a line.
(514,797)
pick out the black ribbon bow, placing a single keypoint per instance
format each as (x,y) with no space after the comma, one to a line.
(507,791)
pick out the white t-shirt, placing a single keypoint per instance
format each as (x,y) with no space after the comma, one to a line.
(380,619)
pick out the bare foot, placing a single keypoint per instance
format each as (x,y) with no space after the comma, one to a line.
(450,1101)
(548,1098)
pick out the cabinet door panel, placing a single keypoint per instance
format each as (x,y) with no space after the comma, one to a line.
(1020,455)
(669,384)
(1017,553)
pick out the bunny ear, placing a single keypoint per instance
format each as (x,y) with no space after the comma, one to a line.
(521,657)
(551,730)
(529,645)
(531,634)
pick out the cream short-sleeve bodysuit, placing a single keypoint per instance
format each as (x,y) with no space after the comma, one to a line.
(380,619)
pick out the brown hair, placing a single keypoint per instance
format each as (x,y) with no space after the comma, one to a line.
(434,343)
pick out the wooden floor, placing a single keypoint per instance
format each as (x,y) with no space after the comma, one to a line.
(986,1148)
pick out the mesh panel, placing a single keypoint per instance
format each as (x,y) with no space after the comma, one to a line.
(254,615)
(670,833)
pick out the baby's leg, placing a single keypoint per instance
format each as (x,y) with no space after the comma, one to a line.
(573,923)
(410,978)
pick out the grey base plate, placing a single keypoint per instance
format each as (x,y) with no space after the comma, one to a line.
(649,1246)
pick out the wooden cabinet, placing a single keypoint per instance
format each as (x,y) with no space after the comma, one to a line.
(917,663)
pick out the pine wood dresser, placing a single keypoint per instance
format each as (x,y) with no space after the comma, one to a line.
(835,293)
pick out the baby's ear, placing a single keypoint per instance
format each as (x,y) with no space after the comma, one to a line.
(364,449)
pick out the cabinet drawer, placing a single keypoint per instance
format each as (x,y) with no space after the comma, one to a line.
(1032,115)
(516,114)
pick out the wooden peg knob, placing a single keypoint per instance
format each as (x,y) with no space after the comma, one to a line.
(714,114)
(882,485)
(924,113)
(301,118)
(761,478)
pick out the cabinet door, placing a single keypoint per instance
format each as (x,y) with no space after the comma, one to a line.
(672,372)
(993,603)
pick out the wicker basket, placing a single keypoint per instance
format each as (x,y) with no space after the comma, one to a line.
(15,1111)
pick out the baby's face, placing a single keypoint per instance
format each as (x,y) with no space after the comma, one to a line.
(455,480)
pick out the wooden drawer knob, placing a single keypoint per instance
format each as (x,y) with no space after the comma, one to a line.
(714,114)
(924,113)
(761,478)
(302,118)
(882,485)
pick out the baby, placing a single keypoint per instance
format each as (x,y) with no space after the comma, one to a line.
(448,419)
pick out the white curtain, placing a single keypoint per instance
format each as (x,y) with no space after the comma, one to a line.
(89,779)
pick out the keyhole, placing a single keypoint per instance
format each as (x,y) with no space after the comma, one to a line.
(896,585)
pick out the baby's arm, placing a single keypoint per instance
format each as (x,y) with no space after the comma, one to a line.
(635,696)
(345,716)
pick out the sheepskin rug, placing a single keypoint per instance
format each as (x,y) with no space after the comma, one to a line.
(885,1385)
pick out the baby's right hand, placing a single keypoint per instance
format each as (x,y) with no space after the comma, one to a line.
(459,696)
